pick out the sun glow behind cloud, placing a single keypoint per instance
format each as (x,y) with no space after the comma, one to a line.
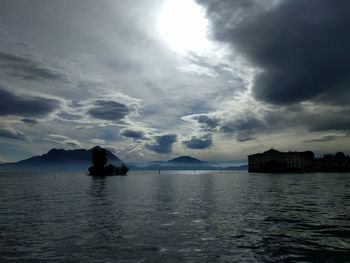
(183,26)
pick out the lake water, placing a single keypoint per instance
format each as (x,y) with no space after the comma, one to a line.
(175,217)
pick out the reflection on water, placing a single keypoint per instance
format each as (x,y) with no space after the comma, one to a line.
(175,217)
(98,185)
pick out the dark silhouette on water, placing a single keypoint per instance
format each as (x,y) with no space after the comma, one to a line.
(80,159)
(333,163)
(273,161)
(99,168)
(59,160)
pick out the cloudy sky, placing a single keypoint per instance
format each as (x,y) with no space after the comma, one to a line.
(155,79)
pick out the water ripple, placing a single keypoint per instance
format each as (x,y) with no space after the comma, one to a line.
(146,217)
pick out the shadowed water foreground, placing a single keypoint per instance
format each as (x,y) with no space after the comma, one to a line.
(175,217)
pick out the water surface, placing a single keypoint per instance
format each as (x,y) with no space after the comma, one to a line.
(175,217)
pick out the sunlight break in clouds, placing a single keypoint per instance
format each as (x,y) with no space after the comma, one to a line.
(183,26)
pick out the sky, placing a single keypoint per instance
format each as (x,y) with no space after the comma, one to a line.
(156,79)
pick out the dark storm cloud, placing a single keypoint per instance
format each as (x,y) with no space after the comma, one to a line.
(206,122)
(199,142)
(323,139)
(163,144)
(210,122)
(135,134)
(226,14)
(11,134)
(244,124)
(327,122)
(302,47)
(248,126)
(108,110)
(320,120)
(29,121)
(244,128)
(314,121)
(26,68)
(21,105)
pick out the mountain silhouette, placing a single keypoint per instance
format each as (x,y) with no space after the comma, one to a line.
(183,163)
(185,160)
(81,159)
(59,159)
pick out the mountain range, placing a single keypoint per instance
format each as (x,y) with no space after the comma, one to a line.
(59,159)
(80,159)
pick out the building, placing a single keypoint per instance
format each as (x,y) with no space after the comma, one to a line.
(276,161)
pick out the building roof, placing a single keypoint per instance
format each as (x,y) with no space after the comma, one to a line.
(272,151)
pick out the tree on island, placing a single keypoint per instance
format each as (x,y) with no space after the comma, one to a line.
(99,168)
(335,163)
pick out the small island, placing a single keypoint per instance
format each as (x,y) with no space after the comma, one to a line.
(99,168)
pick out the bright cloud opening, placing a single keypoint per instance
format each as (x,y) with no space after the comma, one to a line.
(183,26)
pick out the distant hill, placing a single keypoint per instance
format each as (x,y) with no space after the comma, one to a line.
(80,160)
(157,162)
(59,159)
(185,160)
(184,163)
